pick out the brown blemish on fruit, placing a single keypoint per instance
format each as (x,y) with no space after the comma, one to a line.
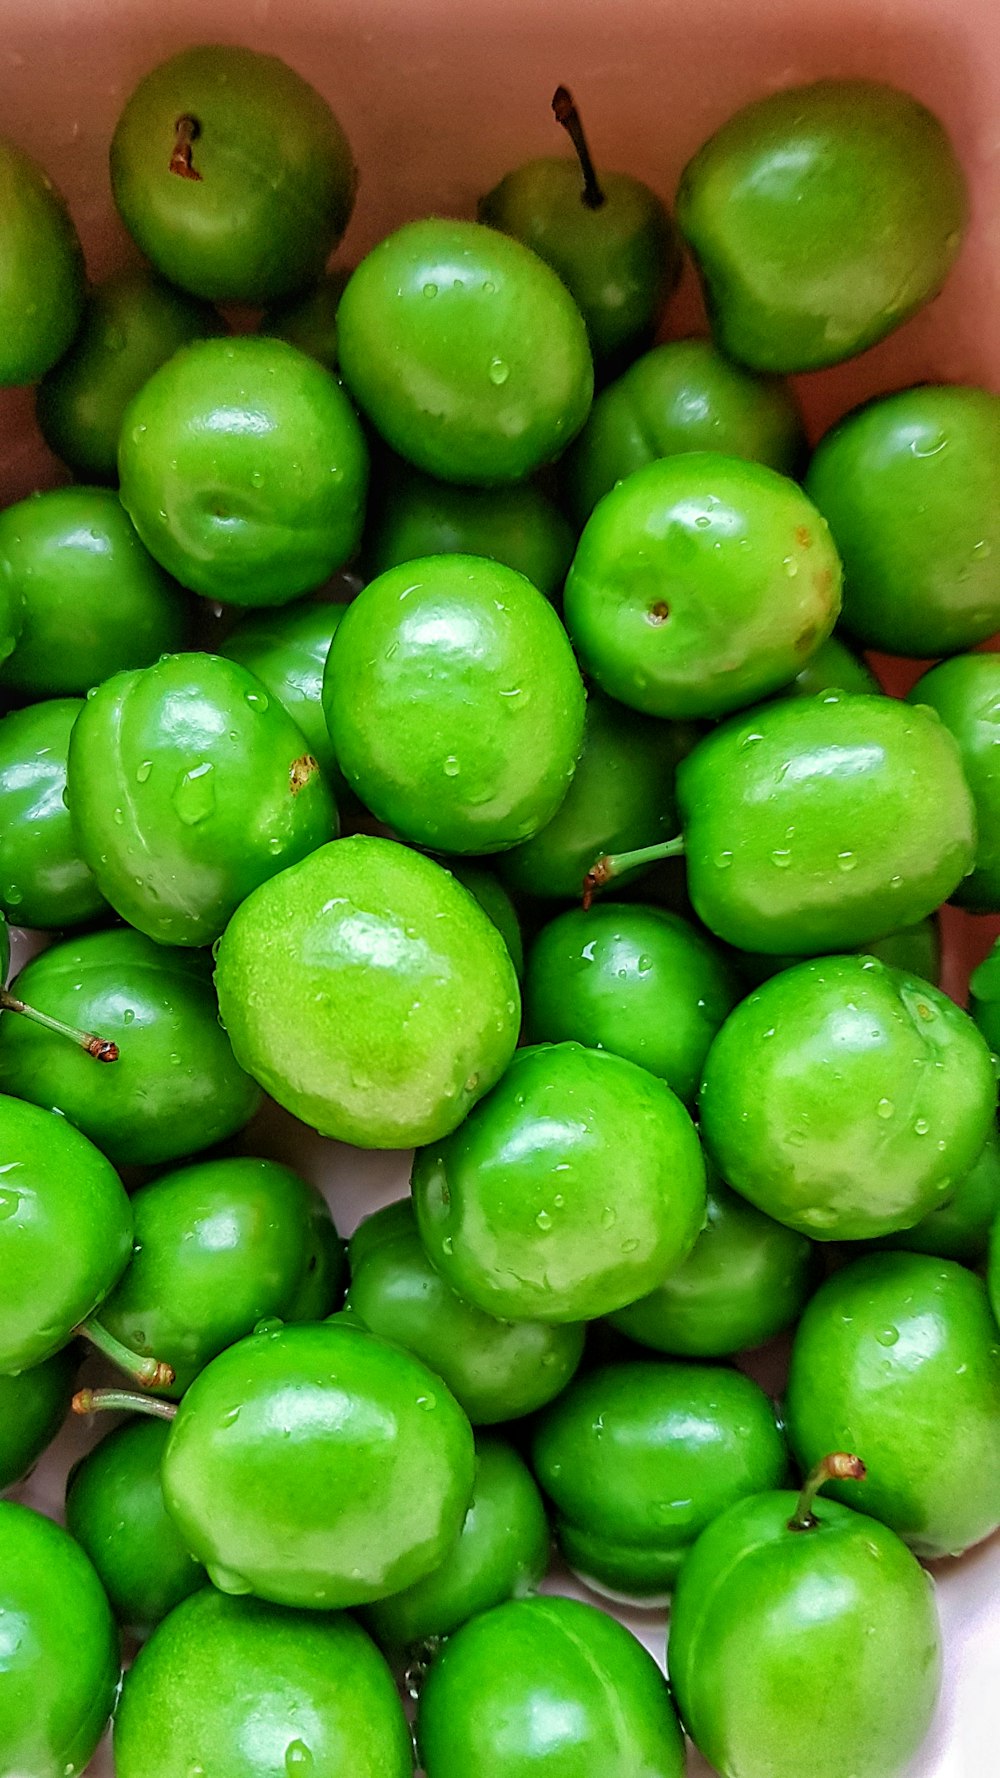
(300,771)
(186,132)
(805,641)
(803,536)
(658,613)
(824,581)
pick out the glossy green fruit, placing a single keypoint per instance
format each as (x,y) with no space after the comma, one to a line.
(59,1656)
(915,949)
(519,526)
(220,1246)
(984,997)
(310,321)
(65,1233)
(635,980)
(33,1406)
(847,1099)
(454,704)
(287,651)
(961,1228)
(502,1553)
(907,486)
(176,1086)
(571,1191)
(496,903)
(244,469)
(746,1279)
(188,788)
(41,270)
(684,396)
(369,994)
(324,1281)
(816,825)
(700,584)
(263,1691)
(496,1370)
(834,1626)
(834,667)
(232,174)
(115,1510)
(547,1685)
(965,692)
(821,217)
(639,1458)
(899,1355)
(43,879)
(318,1466)
(466,352)
(132,323)
(73,559)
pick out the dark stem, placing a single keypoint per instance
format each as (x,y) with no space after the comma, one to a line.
(186,133)
(100,1048)
(567,114)
(96,1401)
(840,1466)
(149,1373)
(614,864)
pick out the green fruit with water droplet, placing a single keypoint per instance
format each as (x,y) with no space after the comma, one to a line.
(43,879)
(496,903)
(965,692)
(287,651)
(33,1406)
(961,1228)
(834,667)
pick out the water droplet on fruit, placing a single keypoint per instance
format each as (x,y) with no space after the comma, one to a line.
(447,1245)
(430,290)
(928,447)
(195,1770)
(128,1016)
(119,817)
(194,798)
(782,857)
(608,1217)
(298,1759)
(13,895)
(723,860)
(257,700)
(228,1581)
(543,1219)
(143,771)
(499,372)
(885,1108)
(846,861)
(427,1402)
(791,567)
(702,521)
(10,1203)
(921,1127)
(630,1246)
(451,766)
(887,1336)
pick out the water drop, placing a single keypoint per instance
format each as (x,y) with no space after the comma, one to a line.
(608,1217)
(427,1402)
(921,1127)
(451,766)
(194,798)
(13,895)
(128,1017)
(298,1759)
(543,1219)
(430,290)
(257,700)
(119,817)
(887,1336)
(782,857)
(10,1203)
(499,372)
(227,1580)
(447,1245)
(791,567)
(143,771)
(630,1246)
(723,860)
(930,446)
(846,861)
(885,1108)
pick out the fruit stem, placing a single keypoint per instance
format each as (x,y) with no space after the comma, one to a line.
(839,1466)
(94,1401)
(614,864)
(99,1047)
(186,132)
(149,1373)
(564,106)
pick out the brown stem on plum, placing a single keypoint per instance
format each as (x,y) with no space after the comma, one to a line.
(101,1048)
(839,1466)
(186,133)
(614,864)
(149,1373)
(566,113)
(121,1401)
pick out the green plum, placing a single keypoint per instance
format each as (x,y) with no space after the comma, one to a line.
(236,1686)
(915,949)
(309,321)
(80,571)
(244,470)
(466,352)
(502,1553)
(132,323)
(115,1510)
(700,584)
(454,704)
(961,1228)
(496,903)
(906,484)
(65,1233)
(835,667)
(821,218)
(496,1370)
(639,1458)
(33,1406)
(993,1269)
(41,270)
(43,879)
(683,396)
(175,1087)
(746,1278)
(984,997)
(59,1654)
(188,787)
(324,1281)
(965,692)
(569,1192)
(901,1352)
(369,994)
(547,1685)
(232,174)
(847,1099)
(804,1638)
(287,651)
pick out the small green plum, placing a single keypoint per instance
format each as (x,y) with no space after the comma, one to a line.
(961,1228)
(33,1406)
(835,667)
(41,270)
(984,997)
(43,879)
(494,901)
(309,321)
(965,692)
(287,651)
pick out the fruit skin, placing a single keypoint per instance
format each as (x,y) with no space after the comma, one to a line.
(188,787)
(834,1627)
(219,1247)
(318,1466)
(287,651)
(821,218)
(639,1458)
(132,323)
(682,396)
(899,1354)
(547,1685)
(115,1510)
(872,829)
(176,1086)
(965,692)
(458,325)
(700,584)
(572,1190)
(309,321)
(847,1099)
(834,666)
(745,1279)
(33,1406)
(43,880)
(496,1370)
(251,1676)
(42,275)
(277,180)
(59,1662)
(502,1553)
(73,558)
(244,469)
(907,486)
(65,1233)
(496,903)
(984,997)
(961,1228)
(914,949)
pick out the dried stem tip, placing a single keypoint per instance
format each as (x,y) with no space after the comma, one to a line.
(186,132)
(566,113)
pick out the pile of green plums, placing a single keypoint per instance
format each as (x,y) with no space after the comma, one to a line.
(437,701)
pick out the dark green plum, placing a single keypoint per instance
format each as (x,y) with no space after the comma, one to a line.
(834,667)
(915,949)
(42,280)
(496,903)
(519,526)
(43,879)
(984,997)
(965,692)
(287,651)
(309,321)
(33,1406)
(961,1228)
